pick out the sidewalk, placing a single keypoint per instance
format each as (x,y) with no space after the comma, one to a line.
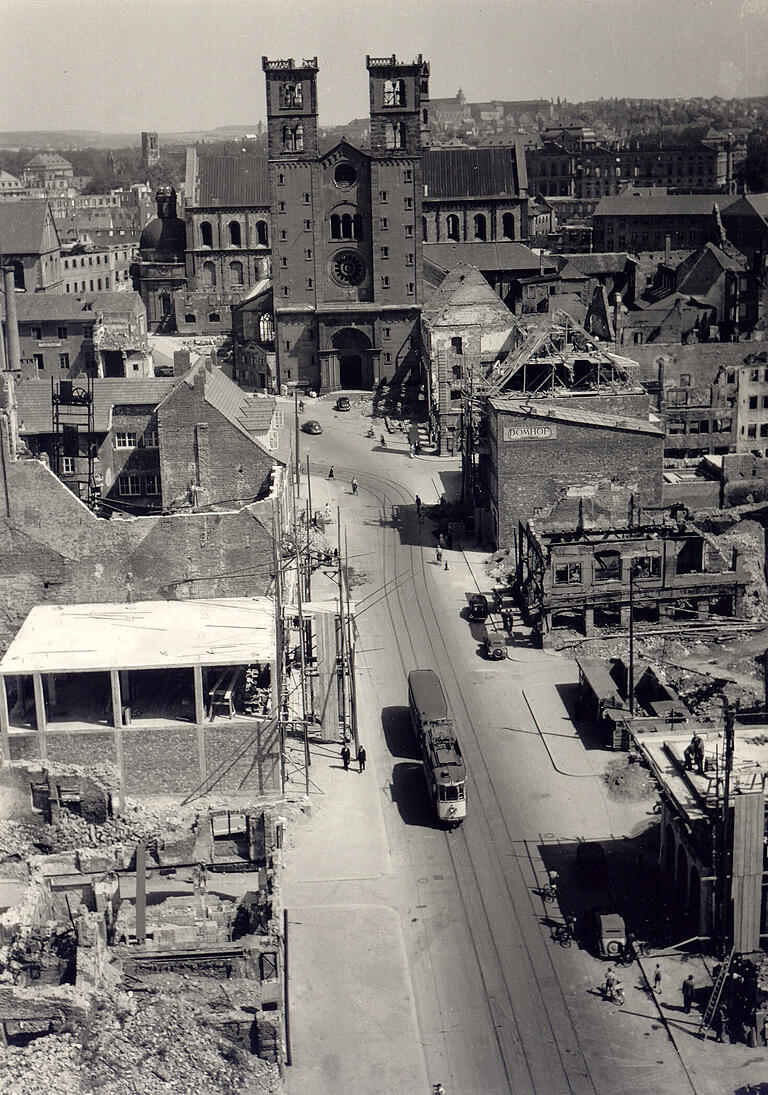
(349,988)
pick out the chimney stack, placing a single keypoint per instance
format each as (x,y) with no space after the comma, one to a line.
(11,321)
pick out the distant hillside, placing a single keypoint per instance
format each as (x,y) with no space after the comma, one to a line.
(92,138)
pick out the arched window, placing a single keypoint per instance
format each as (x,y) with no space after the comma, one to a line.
(335,226)
(206,234)
(165,304)
(190,317)
(235,233)
(290,95)
(287,139)
(214,317)
(452,227)
(18,275)
(394,135)
(298,138)
(508,226)
(389,93)
(236,273)
(424,232)
(346,226)
(480,228)
(394,93)
(266,328)
(209,275)
(262,234)
(357,227)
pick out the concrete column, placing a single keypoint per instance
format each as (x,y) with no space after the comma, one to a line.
(117,703)
(40,716)
(589,621)
(5,752)
(11,321)
(199,699)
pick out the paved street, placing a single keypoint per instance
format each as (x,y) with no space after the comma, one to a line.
(418,956)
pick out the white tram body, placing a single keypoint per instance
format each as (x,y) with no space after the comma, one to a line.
(444,767)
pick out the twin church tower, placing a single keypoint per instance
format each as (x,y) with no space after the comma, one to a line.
(346,228)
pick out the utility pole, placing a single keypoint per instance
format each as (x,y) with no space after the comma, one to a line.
(351,660)
(342,633)
(302,655)
(724,856)
(309,519)
(296,423)
(631,636)
(279,650)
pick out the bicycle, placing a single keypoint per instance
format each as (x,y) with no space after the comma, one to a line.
(563,934)
(549,892)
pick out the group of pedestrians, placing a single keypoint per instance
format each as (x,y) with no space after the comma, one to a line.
(346,757)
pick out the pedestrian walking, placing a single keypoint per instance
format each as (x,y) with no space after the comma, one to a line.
(354,486)
(438,555)
(657,978)
(689,993)
(330,472)
(362,756)
(418,504)
(445,565)
(345,756)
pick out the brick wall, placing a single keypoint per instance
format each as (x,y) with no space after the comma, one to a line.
(534,474)
(199,446)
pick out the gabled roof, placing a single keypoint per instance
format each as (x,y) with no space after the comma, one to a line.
(602,262)
(498,255)
(473,172)
(249,414)
(21,226)
(571,272)
(465,288)
(236,180)
(47,159)
(33,398)
(85,308)
(577,416)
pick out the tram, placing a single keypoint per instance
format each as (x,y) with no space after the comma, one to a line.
(444,767)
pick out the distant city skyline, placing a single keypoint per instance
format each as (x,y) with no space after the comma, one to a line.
(175,65)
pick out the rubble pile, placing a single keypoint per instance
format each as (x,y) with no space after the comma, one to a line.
(159,1043)
(748,537)
(625,778)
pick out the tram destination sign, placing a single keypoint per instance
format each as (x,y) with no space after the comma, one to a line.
(543,432)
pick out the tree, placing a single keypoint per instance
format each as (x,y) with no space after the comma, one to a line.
(755,170)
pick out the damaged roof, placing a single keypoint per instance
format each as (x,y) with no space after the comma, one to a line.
(575,415)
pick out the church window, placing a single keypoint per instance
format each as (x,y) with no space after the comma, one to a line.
(424,232)
(306,199)
(394,135)
(383,196)
(385,252)
(425,117)
(262,234)
(206,234)
(290,95)
(287,139)
(310,283)
(409,231)
(480,226)
(190,317)
(508,226)
(283,261)
(407,175)
(281,207)
(236,276)
(266,328)
(283,234)
(335,226)
(308,253)
(394,93)
(408,203)
(383,224)
(411,288)
(452,227)
(409,259)
(235,233)
(209,275)
(307,227)
(385,282)
(214,317)
(298,138)
(357,227)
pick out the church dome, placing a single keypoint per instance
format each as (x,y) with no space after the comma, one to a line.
(165,234)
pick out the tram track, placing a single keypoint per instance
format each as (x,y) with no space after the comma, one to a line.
(499,993)
(564,1065)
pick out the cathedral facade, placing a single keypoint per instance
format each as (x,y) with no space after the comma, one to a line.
(346,229)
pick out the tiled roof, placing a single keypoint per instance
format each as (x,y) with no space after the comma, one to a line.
(34,400)
(237,180)
(47,159)
(21,226)
(473,172)
(602,262)
(642,202)
(126,301)
(561,413)
(465,287)
(499,255)
(251,415)
(31,307)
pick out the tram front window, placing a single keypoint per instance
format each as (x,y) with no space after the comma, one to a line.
(452,793)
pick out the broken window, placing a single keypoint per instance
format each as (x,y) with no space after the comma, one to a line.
(262,234)
(647,566)
(480,226)
(568,574)
(206,234)
(452,227)
(235,233)
(607,566)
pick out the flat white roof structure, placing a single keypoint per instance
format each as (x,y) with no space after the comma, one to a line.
(143,635)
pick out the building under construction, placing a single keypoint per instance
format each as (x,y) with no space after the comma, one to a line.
(555,409)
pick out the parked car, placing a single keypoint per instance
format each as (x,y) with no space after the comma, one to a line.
(343,404)
(609,933)
(495,645)
(312,426)
(478,607)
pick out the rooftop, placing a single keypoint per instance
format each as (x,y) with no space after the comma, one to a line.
(144,635)
(642,202)
(33,398)
(473,172)
(498,255)
(21,226)
(237,180)
(575,415)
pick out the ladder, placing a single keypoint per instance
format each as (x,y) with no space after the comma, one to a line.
(714,997)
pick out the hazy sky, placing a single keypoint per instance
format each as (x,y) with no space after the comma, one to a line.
(127,65)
